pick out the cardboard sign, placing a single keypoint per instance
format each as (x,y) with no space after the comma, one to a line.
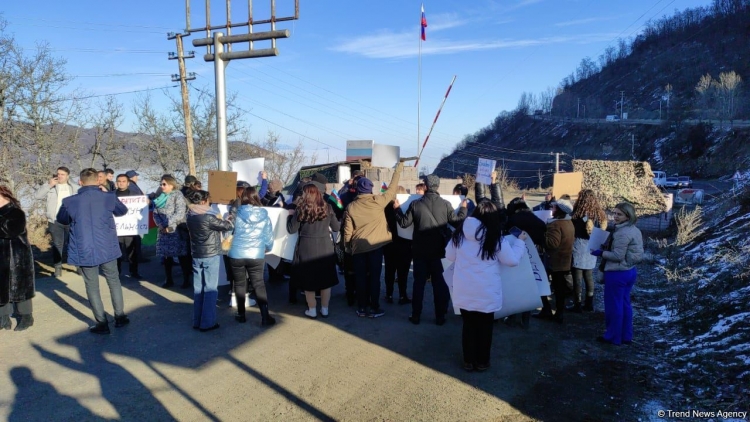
(484,170)
(135,222)
(249,170)
(405,200)
(385,155)
(284,243)
(567,183)
(222,185)
(520,290)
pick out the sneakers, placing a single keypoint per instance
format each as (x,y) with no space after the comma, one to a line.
(121,321)
(324,312)
(100,328)
(404,300)
(241,318)
(311,313)
(376,313)
(414,320)
(482,366)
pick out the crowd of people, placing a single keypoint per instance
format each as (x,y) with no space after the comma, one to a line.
(354,228)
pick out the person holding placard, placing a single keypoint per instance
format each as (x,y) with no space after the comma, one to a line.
(397,257)
(478,249)
(172,238)
(587,214)
(129,245)
(619,257)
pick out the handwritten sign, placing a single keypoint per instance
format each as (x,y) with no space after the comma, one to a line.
(135,222)
(484,170)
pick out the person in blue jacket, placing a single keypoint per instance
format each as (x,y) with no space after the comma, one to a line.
(93,245)
(253,237)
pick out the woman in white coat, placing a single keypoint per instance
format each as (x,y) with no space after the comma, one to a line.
(478,250)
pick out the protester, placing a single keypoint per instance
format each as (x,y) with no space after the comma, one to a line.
(587,213)
(461,190)
(253,238)
(420,189)
(430,216)
(365,233)
(130,246)
(172,238)
(314,263)
(619,257)
(478,251)
(205,227)
(397,257)
(274,197)
(546,205)
(16,264)
(93,245)
(58,188)
(233,207)
(559,239)
(496,196)
(133,178)
(111,186)
(191,184)
(521,217)
(348,192)
(101,180)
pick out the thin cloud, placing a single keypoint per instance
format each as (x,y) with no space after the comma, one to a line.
(585,21)
(388,45)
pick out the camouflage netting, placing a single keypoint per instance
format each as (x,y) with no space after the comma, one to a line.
(619,181)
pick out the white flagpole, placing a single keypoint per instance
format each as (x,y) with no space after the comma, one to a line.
(419,80)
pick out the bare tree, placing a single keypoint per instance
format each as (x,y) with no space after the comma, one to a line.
(107,145)
(703,88)
(282,163)
(668,96)
(727,88)
(156,140)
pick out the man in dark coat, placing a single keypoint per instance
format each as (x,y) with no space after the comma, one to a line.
(133,178)
(16,264)
(93,245)
(430,216)
(129,245)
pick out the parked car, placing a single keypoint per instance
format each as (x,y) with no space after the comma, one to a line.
(671,183)
(684,182)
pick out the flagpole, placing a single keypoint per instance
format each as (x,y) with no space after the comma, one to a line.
(419,86)
(445,98)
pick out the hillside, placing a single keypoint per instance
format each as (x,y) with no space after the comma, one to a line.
(661,68)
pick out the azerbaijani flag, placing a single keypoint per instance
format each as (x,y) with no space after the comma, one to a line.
(337,200)
(383,188)
(424,25)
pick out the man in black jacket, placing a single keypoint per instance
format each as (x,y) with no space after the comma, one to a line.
(430,215)
(129,245)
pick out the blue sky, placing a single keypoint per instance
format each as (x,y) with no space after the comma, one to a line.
(349,69)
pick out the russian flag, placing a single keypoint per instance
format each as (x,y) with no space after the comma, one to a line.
(424,25)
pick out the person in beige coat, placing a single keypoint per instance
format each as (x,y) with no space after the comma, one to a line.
(365,233)
(619,257)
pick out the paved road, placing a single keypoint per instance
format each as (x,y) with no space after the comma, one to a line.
(340,368)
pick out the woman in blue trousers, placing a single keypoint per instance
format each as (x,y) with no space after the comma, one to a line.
(620,254)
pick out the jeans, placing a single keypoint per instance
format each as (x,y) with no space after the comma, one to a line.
(59,234)
(433,268)
(476,337)
(368,267)
(618,313)
(130,246)
(205,290)
(241,269)
(91,279)
(397,255)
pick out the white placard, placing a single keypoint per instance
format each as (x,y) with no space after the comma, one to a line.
(597,238)
(520,291)
(249,170)
(385,155)
(283,242)
(537,267)
(543,215)
(135,222)
(484,170)
(405,200)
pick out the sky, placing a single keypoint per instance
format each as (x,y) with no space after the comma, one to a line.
(349,70)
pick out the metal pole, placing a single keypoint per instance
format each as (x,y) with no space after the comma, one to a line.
(557,162)
(186,106)
(221,103)
(416,163)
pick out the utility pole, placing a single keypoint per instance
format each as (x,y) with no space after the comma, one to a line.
(632,146)
(622,102)
(578,112)
(183,77)
(215,43)
(557,162)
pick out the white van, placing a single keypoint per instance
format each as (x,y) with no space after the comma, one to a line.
(613,118)
(660,178)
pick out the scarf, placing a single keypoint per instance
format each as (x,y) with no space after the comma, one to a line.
(161,200)
(199,209)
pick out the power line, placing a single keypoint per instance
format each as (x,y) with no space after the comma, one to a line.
(120,74)
(108,25)
(110,94)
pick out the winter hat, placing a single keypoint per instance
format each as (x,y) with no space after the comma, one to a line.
(564,205)
(243,184)
(364,186)
(131,174)
(190,179)
(275,185)
(432,182)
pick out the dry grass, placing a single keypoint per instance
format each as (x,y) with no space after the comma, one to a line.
(36,228)
(689,225)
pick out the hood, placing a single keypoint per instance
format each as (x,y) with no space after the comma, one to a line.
(251,214)
(470,227)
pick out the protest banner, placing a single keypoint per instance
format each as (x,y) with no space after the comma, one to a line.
(283,242)
(135,222)
(406,200)
(385,155)
(567,183)
(485,168)
(249,170)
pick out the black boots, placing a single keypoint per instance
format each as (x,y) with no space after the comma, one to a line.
(576,308)
(265,318)
(589,305)
(121,321)
(25,322)
(100,328)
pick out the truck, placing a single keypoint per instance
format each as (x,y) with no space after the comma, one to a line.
(613,118)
